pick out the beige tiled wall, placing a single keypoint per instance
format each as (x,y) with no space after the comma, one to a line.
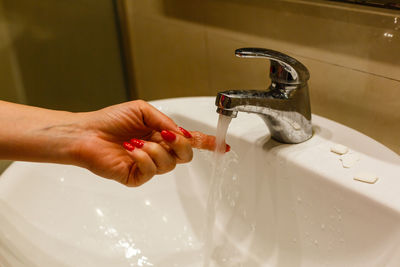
(61,54)
(9,87)
(185,48)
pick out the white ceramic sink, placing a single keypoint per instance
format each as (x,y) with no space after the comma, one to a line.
(280,205)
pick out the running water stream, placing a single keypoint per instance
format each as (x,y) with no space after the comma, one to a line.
(215,189)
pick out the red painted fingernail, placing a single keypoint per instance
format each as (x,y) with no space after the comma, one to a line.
(227,148)
(168,136)
(185,132)
(137,142)
(128,146)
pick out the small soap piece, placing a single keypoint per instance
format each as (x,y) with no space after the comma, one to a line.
(339,149)
(366,177)
(349,160)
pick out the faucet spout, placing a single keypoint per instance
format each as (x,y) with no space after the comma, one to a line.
(287,118)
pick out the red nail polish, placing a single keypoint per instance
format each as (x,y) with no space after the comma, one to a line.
(227,148)
(128,146)
(185,132)
(168,136)
(137,142)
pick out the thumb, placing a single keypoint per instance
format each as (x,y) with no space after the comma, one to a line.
(155,119)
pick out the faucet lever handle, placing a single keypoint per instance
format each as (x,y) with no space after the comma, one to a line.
(284,69)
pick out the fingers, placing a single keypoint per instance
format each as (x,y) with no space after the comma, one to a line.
(142,169)
(204,141)
(158,121)
(149,159)
(162,155)
(163,160)
(179,144)
(197,139)
(155,119)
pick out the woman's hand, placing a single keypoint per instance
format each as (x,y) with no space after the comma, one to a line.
(133,141)
(129,142)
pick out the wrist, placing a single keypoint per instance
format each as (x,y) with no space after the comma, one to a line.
(71,138)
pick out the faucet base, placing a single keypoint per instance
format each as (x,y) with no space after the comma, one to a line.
(290,128)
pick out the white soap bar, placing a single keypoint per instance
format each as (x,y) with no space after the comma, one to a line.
(349,160)
(339,149)
(366,177)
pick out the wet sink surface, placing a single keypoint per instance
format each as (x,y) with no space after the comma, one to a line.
(280,205)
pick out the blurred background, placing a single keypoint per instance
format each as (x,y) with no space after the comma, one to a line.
(60,54)
(82,55)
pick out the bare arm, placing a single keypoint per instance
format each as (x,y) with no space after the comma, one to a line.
(35,134)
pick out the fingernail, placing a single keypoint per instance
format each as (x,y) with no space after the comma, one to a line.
(128,146)
(168,136)
(185,132)
(227,148)
(137,142)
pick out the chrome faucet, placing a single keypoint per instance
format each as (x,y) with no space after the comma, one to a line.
(284,107)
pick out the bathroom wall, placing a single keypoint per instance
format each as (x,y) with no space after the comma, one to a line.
(185,48)
(60,54)
(64,54)
(9,87)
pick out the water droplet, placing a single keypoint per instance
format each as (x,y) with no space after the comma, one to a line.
(316,242)
(322,226)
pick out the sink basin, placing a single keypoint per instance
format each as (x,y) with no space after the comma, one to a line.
(278,204)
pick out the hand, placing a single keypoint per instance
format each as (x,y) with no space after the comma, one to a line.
(158,143)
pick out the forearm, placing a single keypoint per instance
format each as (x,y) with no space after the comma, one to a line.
(36,134)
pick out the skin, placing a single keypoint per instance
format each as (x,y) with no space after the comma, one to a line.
(93,140)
